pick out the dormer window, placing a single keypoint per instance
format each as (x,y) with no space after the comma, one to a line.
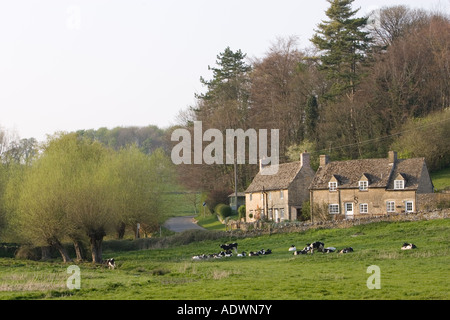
(332,185)
(399,184)
(363,185)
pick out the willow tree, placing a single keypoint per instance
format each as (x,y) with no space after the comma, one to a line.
(140,182)
(40,215)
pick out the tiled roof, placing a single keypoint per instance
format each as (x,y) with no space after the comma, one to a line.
(379,172)
(281,180)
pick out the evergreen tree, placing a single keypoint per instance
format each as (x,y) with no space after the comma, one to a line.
(225,102)
(311,116)
(343,44)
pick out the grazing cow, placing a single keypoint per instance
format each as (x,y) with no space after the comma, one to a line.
(229,246)
(346,250)
(292,248)
(408,246)
(110,263)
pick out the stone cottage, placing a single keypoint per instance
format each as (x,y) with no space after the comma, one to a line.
(280,196)
(369,186)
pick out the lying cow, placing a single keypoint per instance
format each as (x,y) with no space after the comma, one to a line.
(329,249)
(346,250)
(110,263)
(408,246)
(299,252)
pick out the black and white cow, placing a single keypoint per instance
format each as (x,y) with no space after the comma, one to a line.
(408,246)
(346,250)
(110,263)
(229,246)
(329,249)
(292,248)
(315,246)
(299,252)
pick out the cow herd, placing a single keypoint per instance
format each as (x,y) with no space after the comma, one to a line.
(316,246)
(310,248)
(227,251)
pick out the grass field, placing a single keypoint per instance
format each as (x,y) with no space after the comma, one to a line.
(171,274)
(441,179)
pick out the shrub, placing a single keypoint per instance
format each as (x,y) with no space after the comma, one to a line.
(241,211)
(223,210)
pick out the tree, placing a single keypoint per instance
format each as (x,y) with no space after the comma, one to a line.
(343,45)
(311,116)
(41,215)
(280,86)
(140,182)
(391,23)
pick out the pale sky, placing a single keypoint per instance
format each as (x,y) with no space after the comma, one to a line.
(67,65)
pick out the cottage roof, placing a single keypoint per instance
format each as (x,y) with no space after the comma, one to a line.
(379,172)
(281,180)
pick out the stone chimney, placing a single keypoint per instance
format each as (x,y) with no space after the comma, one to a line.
(392,156)
(323,160)
(305,159)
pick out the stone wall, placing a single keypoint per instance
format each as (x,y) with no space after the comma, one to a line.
(260,227)
(427,201)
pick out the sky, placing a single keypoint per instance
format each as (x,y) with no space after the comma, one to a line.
(67,65)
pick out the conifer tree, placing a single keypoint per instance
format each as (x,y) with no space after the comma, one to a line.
(343,44)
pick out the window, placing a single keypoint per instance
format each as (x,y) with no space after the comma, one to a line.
(390,206)
(333,209)
(251,196)
(270,195)
(409,206)
(332,186)
(363,208)
(363,185)
(399,184)
(281,194)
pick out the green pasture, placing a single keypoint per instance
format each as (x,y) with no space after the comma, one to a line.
(441,179)
(170,273)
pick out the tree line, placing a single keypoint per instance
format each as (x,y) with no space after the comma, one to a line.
(78,190)
(355,94)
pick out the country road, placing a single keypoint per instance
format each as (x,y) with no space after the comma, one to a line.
(180,224)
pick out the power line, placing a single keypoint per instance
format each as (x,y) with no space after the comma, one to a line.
(385,137)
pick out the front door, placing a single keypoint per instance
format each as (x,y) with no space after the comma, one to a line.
(348,210)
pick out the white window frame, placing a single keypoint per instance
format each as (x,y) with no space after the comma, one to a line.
(333,208)
(281,194)
(409,203)
(390,206)
(363,208)
(332,186)
(399,184)
(363,185)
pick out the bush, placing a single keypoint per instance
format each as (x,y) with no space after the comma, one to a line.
(241,211)
(223,210)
